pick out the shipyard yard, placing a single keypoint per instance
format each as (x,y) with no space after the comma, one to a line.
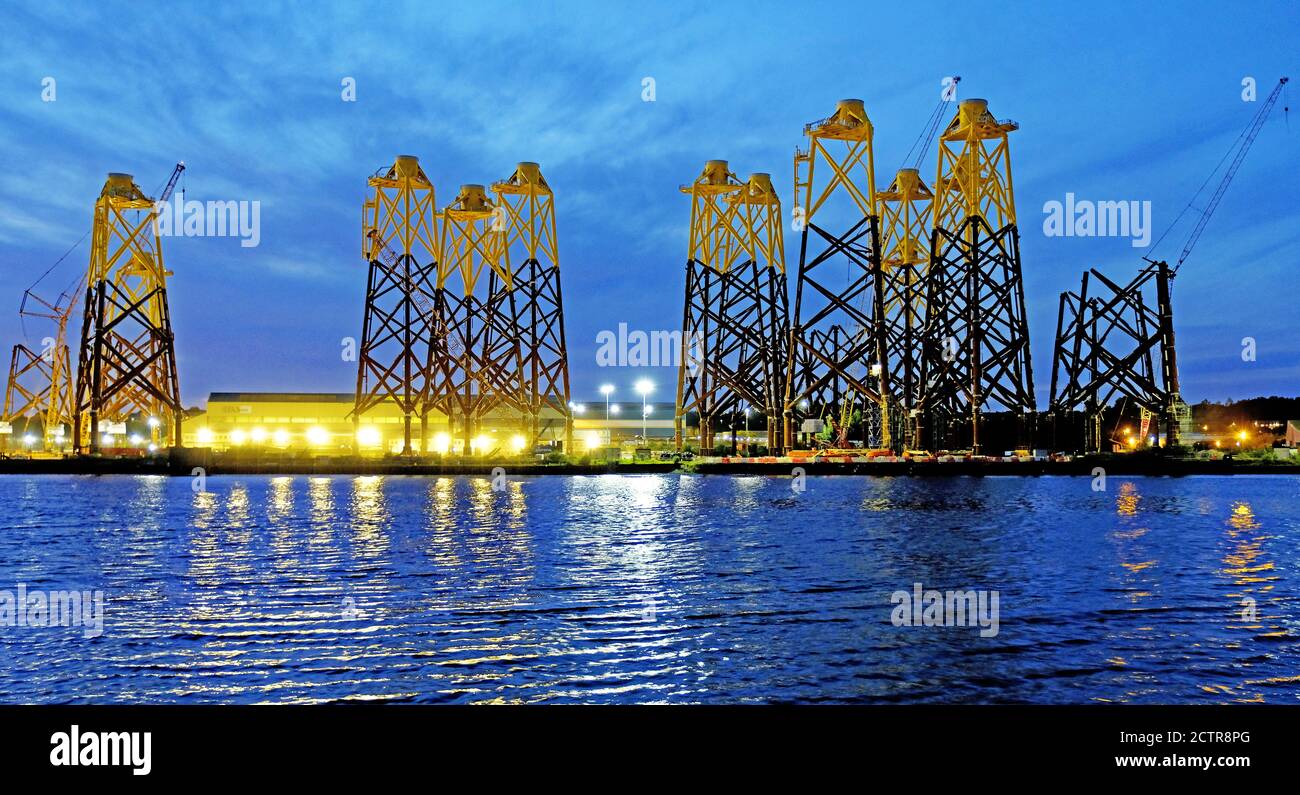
(921,355)
(372,365)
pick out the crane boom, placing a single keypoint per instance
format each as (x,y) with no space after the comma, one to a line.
(171,183)
(1248,138)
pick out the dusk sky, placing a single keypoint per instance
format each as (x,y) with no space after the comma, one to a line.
(1114,102)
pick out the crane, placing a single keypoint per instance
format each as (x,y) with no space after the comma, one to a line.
(1241,146)
(40,384)
(923,141)
(1095,364)
(171,183)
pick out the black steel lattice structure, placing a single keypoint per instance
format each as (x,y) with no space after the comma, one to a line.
(400,242)
(905,207)
(735,309)
(528,205)
(126,366)
(1115,342)
(836,346)
(476,365)
(976,346)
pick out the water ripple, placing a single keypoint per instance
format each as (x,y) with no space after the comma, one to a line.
(653,589)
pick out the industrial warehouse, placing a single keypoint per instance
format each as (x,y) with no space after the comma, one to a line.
(904,334)
(323,424)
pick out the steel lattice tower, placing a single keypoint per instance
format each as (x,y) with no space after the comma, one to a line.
(905,244)
(976,347)
(834,338)
(400,242)
(40,385)
(1104,349)
(529,207)
(735,310)
(34,386)
(476,360)
(127,360)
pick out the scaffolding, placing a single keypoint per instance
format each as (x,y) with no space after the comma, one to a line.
(528,204)
(735,309)
(476,362)
(127,359)
(836,350)
(976,343)
(399,241)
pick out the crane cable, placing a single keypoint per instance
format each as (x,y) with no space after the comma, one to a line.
(931,127)
(1240,145)
(23,305)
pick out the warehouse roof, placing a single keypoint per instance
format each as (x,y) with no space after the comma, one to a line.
(281,397)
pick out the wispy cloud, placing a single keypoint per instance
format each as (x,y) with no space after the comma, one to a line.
(249,96)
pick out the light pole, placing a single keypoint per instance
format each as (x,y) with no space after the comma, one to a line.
(747,431)
(643,388)
(607,390)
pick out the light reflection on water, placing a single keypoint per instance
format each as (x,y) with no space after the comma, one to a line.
(653,589)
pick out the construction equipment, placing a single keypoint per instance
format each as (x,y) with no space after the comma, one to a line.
(39,383)
(398,329)
(127,361)
(42,384)
(1241,147)
(835,335)
(735,310)
(1105,345)
(527,203)
(166,194)
(976,343)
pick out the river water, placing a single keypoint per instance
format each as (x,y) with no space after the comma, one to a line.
(653,588)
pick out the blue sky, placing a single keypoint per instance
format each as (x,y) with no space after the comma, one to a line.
(1114,102)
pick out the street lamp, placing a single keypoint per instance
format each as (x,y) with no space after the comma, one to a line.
(606,390)
(643,388)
